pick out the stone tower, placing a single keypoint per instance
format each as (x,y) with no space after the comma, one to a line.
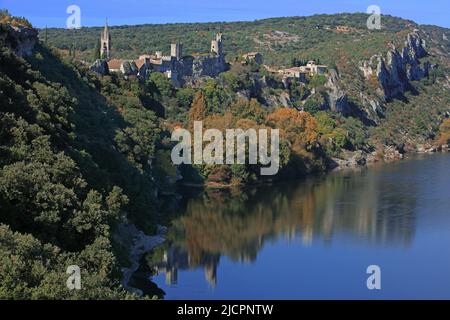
(105,43)
(176,50)
(216,45)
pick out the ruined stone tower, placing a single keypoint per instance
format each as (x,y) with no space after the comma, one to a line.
(216,45)
(105,43)
(176,50)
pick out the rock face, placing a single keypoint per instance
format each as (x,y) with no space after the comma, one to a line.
(397,69)
(200,66)
(391,153)
(426,148)
(208,66)
(20,39)
(337,99)
(360,158)
(137,243)
(280,100)
(100,66)
(350,160)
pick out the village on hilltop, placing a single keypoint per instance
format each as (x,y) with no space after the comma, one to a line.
(178,67)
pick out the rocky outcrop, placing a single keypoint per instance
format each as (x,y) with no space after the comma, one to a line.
(359,158)
(395,71)
(391,153)
(283,100)
(444,148)
(137,244)
(20,39)
(337,99)
(100,66)
(349,159)
(129,68)
(426,148)
(201,66)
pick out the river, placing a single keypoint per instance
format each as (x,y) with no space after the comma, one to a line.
(314,239)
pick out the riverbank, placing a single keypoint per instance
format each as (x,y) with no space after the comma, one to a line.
(389,154)
(138,243)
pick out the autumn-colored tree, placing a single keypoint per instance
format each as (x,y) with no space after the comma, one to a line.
(245,124)
(298,137)
(220,122)
(198,109)
(298,127)
(444,129)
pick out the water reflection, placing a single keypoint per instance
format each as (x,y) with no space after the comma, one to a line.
(376,206)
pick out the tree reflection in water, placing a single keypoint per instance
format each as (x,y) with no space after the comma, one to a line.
(369,205)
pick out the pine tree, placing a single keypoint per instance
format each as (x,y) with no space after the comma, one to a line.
(97,54)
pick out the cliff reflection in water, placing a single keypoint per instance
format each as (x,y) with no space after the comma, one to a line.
(359,205)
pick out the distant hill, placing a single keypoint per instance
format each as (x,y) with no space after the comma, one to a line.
(279,39)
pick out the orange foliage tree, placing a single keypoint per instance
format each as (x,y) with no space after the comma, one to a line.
(198,110)
(444,137)
(220,122)
(297,127)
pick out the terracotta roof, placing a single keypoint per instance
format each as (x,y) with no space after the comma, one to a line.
(114,64)
(139,63)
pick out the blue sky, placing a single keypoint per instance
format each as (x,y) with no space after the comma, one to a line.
(119,12)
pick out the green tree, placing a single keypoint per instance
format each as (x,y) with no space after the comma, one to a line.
(97,53)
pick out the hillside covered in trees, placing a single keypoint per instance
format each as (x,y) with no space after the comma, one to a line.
(279,39)
(82,154)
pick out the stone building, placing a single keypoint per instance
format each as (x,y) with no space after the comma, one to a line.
(179,67)
(217,45)
(105,43)
(176,50)
(314,68)
(294,72)
(253,56)
(302,72)
(176,66)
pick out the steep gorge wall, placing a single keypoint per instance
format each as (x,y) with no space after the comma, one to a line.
(395,71)
(392,74)
(20,39)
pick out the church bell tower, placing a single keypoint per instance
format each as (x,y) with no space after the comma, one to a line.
(105,43)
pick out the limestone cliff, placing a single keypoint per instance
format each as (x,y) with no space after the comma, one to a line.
(395,71)
(337,99)
(20,39)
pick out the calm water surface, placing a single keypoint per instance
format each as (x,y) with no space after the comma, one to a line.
(314,238)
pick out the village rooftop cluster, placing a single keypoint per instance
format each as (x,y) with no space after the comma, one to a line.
(178,67)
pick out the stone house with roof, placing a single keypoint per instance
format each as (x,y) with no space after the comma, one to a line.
(253,56)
